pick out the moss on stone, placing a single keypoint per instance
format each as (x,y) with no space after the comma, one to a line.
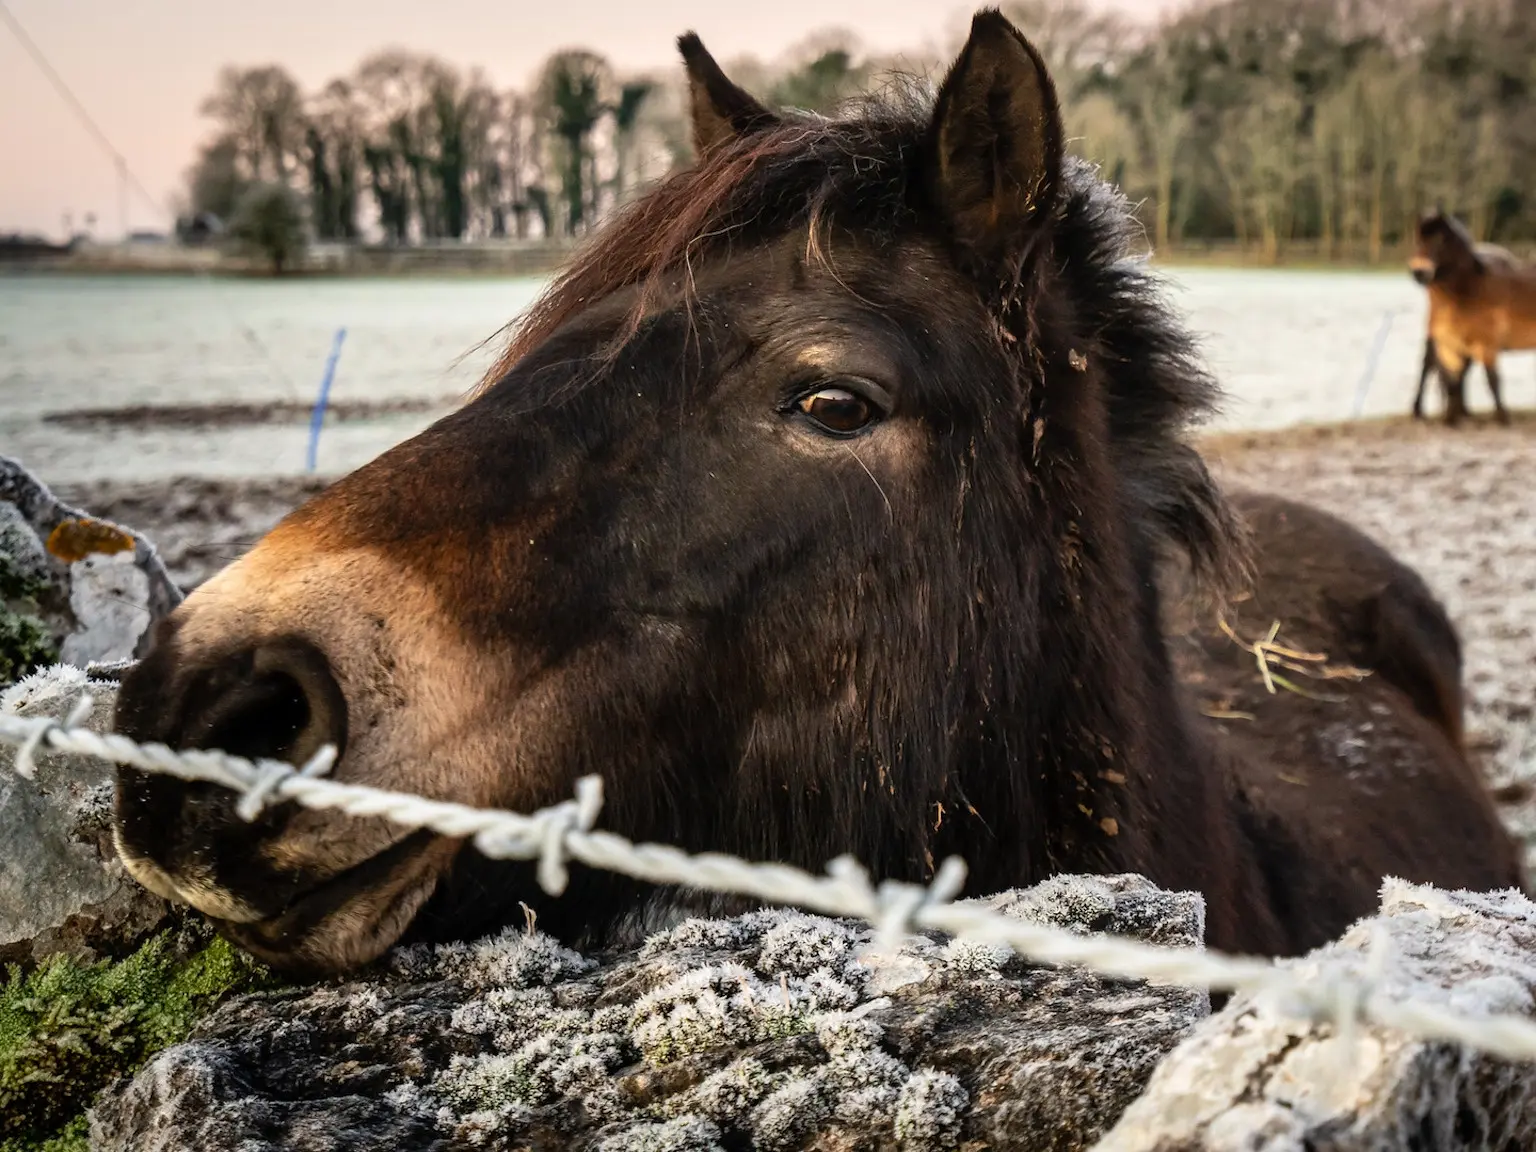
(18,584)
(67,1029)
(26,643)
(72,1137)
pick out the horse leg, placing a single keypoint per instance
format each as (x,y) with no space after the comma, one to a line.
(1490,369)
(1429,366)
(1453,379)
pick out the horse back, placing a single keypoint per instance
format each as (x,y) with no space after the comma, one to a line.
(1520,308)
(1344,755)
(1483,314)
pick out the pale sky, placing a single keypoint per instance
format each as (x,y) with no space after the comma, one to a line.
(141,67)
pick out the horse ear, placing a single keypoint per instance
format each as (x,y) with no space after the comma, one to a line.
(994,152)
(721,111)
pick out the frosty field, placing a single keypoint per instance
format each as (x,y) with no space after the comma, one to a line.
(1290,346)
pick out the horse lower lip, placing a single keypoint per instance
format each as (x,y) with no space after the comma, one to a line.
(209,902)
(310,909)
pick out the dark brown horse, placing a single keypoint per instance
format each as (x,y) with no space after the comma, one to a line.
(1482,301)
(819,507)
(1345,777)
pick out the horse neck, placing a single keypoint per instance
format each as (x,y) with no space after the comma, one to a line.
(1461,273)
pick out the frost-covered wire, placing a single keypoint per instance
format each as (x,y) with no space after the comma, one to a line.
(564,832)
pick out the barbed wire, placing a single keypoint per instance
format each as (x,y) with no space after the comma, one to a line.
(563,832)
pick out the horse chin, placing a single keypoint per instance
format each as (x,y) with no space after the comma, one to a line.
(353,918)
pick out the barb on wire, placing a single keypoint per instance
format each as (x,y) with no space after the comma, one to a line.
(564,832)
(26,750)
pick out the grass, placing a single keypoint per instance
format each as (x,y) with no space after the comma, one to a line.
(68,1029)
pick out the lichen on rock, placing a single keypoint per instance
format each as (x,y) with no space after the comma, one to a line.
(770,1030)
(73,587)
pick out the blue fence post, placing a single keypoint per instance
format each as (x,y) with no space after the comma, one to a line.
(1370,367)
(317,418)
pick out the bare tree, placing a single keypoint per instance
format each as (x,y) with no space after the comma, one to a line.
(1259,120)
(820,72)
(1151,96)
(215,180)
(334,134)
(1077,41)
(261,111)
(575,90)
(1099,131)
(633,95)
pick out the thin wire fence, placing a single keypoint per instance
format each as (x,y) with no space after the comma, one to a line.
(564,832)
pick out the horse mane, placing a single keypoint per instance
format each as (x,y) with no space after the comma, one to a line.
(1157,389)
(1443,223)
(859,171)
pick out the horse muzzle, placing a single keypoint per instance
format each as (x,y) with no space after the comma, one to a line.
(305,891)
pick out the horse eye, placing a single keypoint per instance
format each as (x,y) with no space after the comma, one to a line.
(838,410)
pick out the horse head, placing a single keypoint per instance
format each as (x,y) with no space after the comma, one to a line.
(1443,249)
(813,506)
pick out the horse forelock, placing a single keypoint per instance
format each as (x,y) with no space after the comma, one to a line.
(806,170)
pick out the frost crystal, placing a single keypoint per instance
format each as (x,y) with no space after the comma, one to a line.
(713,935)
(727,1004)
(408,1097)
(521,960)
(802,944)
(685,1134)
(930,1111)
(975,957)
(841,1032)
(362,1010)
(541,1070)
(774,1031)
(790,1114)
(727,1095)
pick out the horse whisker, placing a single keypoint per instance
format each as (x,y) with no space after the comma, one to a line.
(872,479)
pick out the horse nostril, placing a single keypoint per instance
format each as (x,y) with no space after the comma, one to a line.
(278,700)
(281,702)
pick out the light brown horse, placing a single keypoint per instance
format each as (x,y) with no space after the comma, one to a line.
(820,506)
(1482,301)
(1493,256)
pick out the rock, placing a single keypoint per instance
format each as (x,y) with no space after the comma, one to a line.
(62,887)
(769,1030)
(199,523)
(29,594)
(73,587)
(1251,1079)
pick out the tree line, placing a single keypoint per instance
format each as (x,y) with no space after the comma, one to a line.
(1270,124)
